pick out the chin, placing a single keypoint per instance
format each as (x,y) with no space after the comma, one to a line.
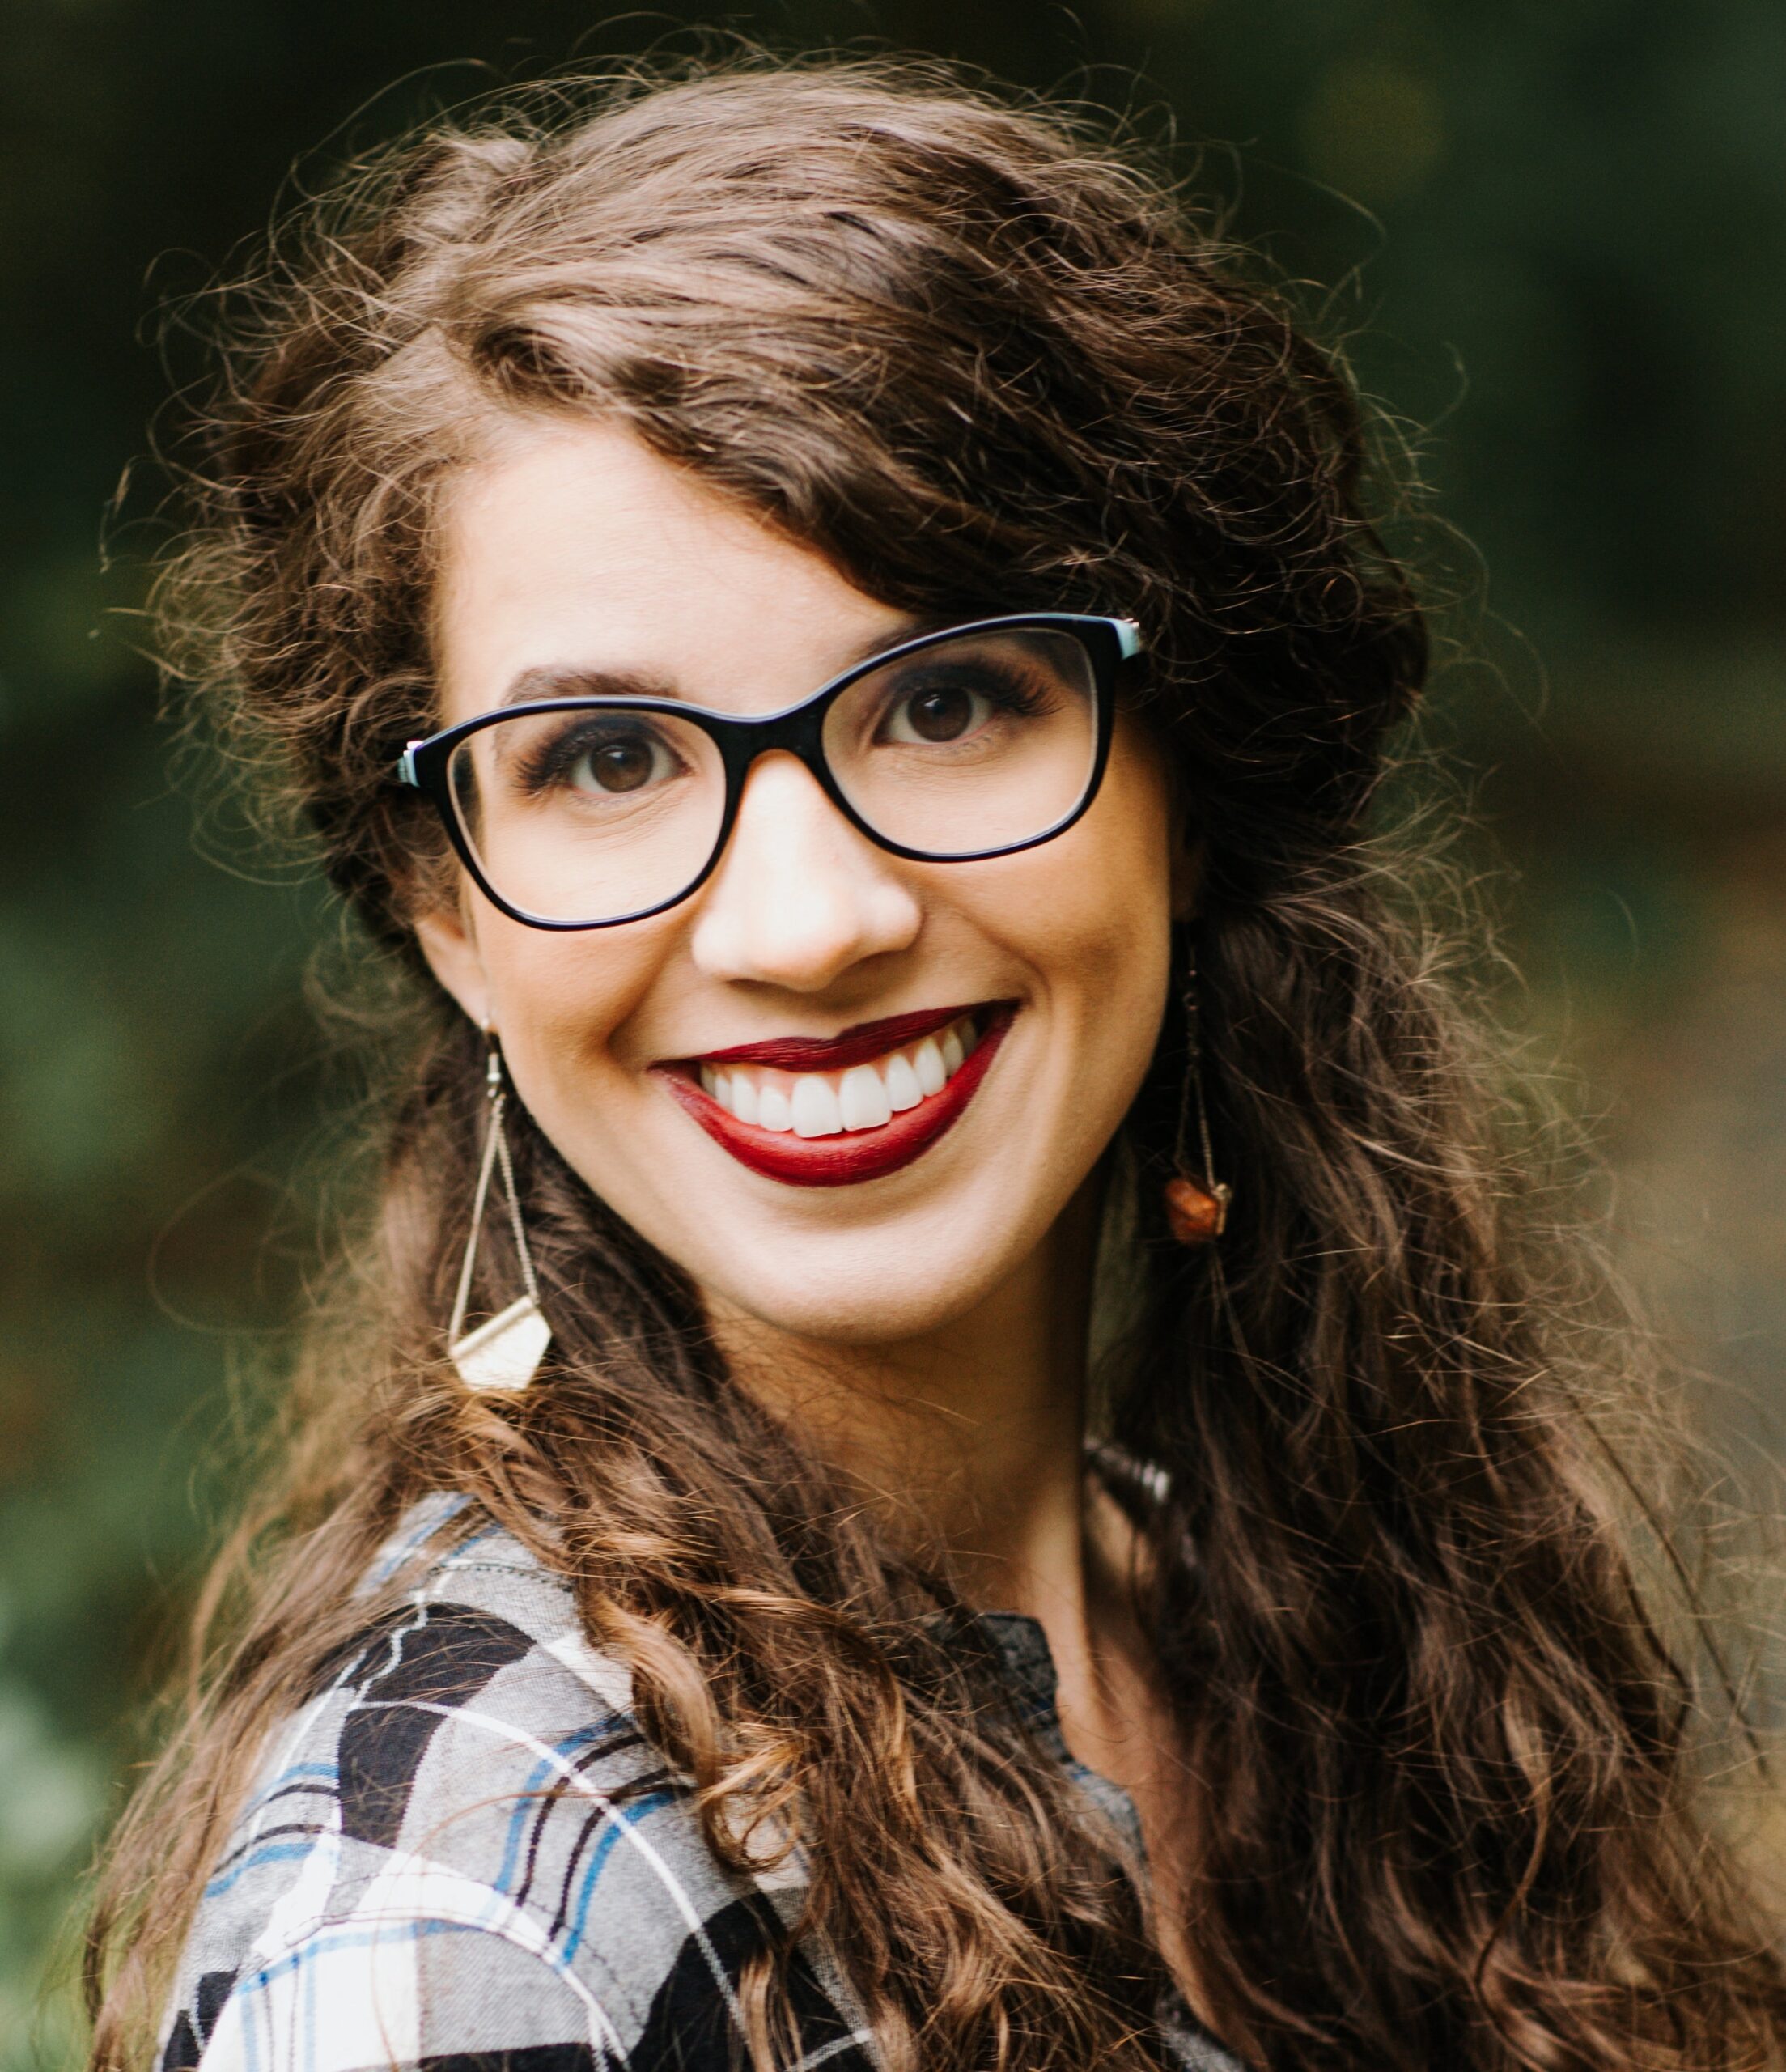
(877,1311)
(849,1295)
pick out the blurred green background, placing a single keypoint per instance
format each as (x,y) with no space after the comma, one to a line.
(1557,228)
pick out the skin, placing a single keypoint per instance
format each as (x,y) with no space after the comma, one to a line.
(927,1327)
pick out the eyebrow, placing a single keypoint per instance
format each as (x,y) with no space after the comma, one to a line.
(576,679)
(572,680)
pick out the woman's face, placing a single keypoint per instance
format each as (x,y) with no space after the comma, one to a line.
(573,549)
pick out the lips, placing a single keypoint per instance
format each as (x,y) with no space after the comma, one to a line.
(860,1044)
(830,1113)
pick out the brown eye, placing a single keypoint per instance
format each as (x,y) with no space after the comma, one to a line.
(608,761)
(944,713)
(621,766)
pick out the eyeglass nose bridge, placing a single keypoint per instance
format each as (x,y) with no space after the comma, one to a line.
(799,731)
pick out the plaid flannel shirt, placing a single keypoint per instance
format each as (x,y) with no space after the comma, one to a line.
(464,1856)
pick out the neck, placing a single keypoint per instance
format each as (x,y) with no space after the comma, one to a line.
(968,1442)
(970,1446)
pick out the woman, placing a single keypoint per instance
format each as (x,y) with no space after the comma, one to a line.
(837,644)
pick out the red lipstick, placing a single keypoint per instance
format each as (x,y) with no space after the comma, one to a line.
(858,1045)
(854,1156)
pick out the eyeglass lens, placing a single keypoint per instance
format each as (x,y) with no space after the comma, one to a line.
(967,745)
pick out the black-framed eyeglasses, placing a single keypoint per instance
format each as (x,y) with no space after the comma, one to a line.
(975,741)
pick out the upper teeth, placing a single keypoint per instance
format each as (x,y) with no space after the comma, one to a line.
(826,1103)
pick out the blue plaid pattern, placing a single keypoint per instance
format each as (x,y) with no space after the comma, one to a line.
(464,1856)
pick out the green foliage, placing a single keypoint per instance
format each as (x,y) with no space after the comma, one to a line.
(1554,232)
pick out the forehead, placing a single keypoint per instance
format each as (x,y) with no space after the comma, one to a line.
(570,544)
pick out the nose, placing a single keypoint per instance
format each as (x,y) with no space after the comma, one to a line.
(799,896)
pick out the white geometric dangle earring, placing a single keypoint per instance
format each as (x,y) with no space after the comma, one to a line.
(504,1353)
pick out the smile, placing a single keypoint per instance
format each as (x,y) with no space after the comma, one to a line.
(833,1113)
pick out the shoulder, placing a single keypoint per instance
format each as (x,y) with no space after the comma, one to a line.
(464,1848)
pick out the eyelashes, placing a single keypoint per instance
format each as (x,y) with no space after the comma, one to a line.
(941,708)
(633,756)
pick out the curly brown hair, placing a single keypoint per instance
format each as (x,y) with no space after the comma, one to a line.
(981,358)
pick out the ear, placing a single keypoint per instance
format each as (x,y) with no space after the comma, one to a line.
(449,942)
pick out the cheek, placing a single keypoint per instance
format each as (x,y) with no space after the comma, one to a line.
(1114,925)
(557,1002)
(1100,914)
(1090,916)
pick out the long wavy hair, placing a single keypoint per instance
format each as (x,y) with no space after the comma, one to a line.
(1437,1724)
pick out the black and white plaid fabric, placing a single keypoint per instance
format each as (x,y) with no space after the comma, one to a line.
(464,1856)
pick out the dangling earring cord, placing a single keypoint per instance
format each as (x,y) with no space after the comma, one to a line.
(504,1353)
(1196,1209)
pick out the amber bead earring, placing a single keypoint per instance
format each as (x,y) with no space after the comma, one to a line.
(1196,1205)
